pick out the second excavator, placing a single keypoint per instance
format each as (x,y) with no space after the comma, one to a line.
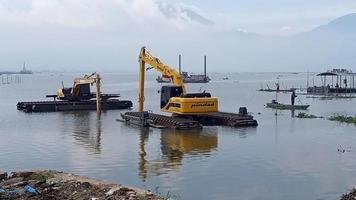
(189,110)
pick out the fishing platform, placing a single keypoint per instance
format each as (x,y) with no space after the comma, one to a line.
(147,119)
(333,82)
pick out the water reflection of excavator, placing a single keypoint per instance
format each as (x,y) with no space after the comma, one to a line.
(190,110)
(85,127)
(174,145)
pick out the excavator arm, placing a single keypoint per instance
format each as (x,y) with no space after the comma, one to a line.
(165,70)
(146,57)
(85,80)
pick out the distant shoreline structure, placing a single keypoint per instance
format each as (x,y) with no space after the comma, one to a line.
(23,71)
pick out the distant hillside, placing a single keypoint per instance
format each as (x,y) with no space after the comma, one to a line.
(344,24)
(329,45)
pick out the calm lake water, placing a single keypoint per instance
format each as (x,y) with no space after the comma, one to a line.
(282,158)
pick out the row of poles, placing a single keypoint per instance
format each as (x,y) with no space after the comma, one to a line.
(10,79)
(180,65)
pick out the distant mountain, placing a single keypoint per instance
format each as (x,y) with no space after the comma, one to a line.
(345,24)
(176,11)
(328,46)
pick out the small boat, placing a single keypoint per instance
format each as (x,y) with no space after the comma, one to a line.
(274,90)
(287,106)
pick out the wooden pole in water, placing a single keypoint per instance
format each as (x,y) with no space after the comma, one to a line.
(180,63)
(307,79)
(98,94)
(204,67)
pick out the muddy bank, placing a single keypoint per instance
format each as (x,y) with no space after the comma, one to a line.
(46,184)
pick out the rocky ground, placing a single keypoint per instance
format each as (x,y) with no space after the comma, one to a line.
(55,185)
(349,196)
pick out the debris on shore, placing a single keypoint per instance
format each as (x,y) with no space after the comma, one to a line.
(349,196)
(47,184)
(344,119)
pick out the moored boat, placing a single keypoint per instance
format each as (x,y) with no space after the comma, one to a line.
(287,106)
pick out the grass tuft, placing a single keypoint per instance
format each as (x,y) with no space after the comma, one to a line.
(344,119)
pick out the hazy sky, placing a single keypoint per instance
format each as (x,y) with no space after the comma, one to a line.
(61,32)
(275,17)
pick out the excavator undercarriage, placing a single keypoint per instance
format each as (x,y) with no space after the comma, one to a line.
(147,119)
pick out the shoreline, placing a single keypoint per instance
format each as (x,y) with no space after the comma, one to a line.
(50,184)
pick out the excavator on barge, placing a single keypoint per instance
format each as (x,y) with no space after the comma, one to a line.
(189,110)
(78,97)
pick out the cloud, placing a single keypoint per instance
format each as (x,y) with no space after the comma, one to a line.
(133,15)
(68,13)
(286,28)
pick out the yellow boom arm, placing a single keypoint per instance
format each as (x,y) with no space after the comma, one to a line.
(165,70)
(93,78)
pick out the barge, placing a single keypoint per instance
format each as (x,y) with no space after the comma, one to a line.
(57,106)
(146,119)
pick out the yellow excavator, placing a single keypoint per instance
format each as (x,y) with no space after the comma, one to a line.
(80,89)
(189,110)
(174,98)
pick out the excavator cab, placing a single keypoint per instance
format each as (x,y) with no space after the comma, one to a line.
(170,91)
(83,94)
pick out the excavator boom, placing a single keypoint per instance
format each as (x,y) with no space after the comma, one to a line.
(167,71)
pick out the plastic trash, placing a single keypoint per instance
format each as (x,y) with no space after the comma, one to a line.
(2,191)
(30,189)
(14,191)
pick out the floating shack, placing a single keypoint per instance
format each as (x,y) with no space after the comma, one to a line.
(336,81)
